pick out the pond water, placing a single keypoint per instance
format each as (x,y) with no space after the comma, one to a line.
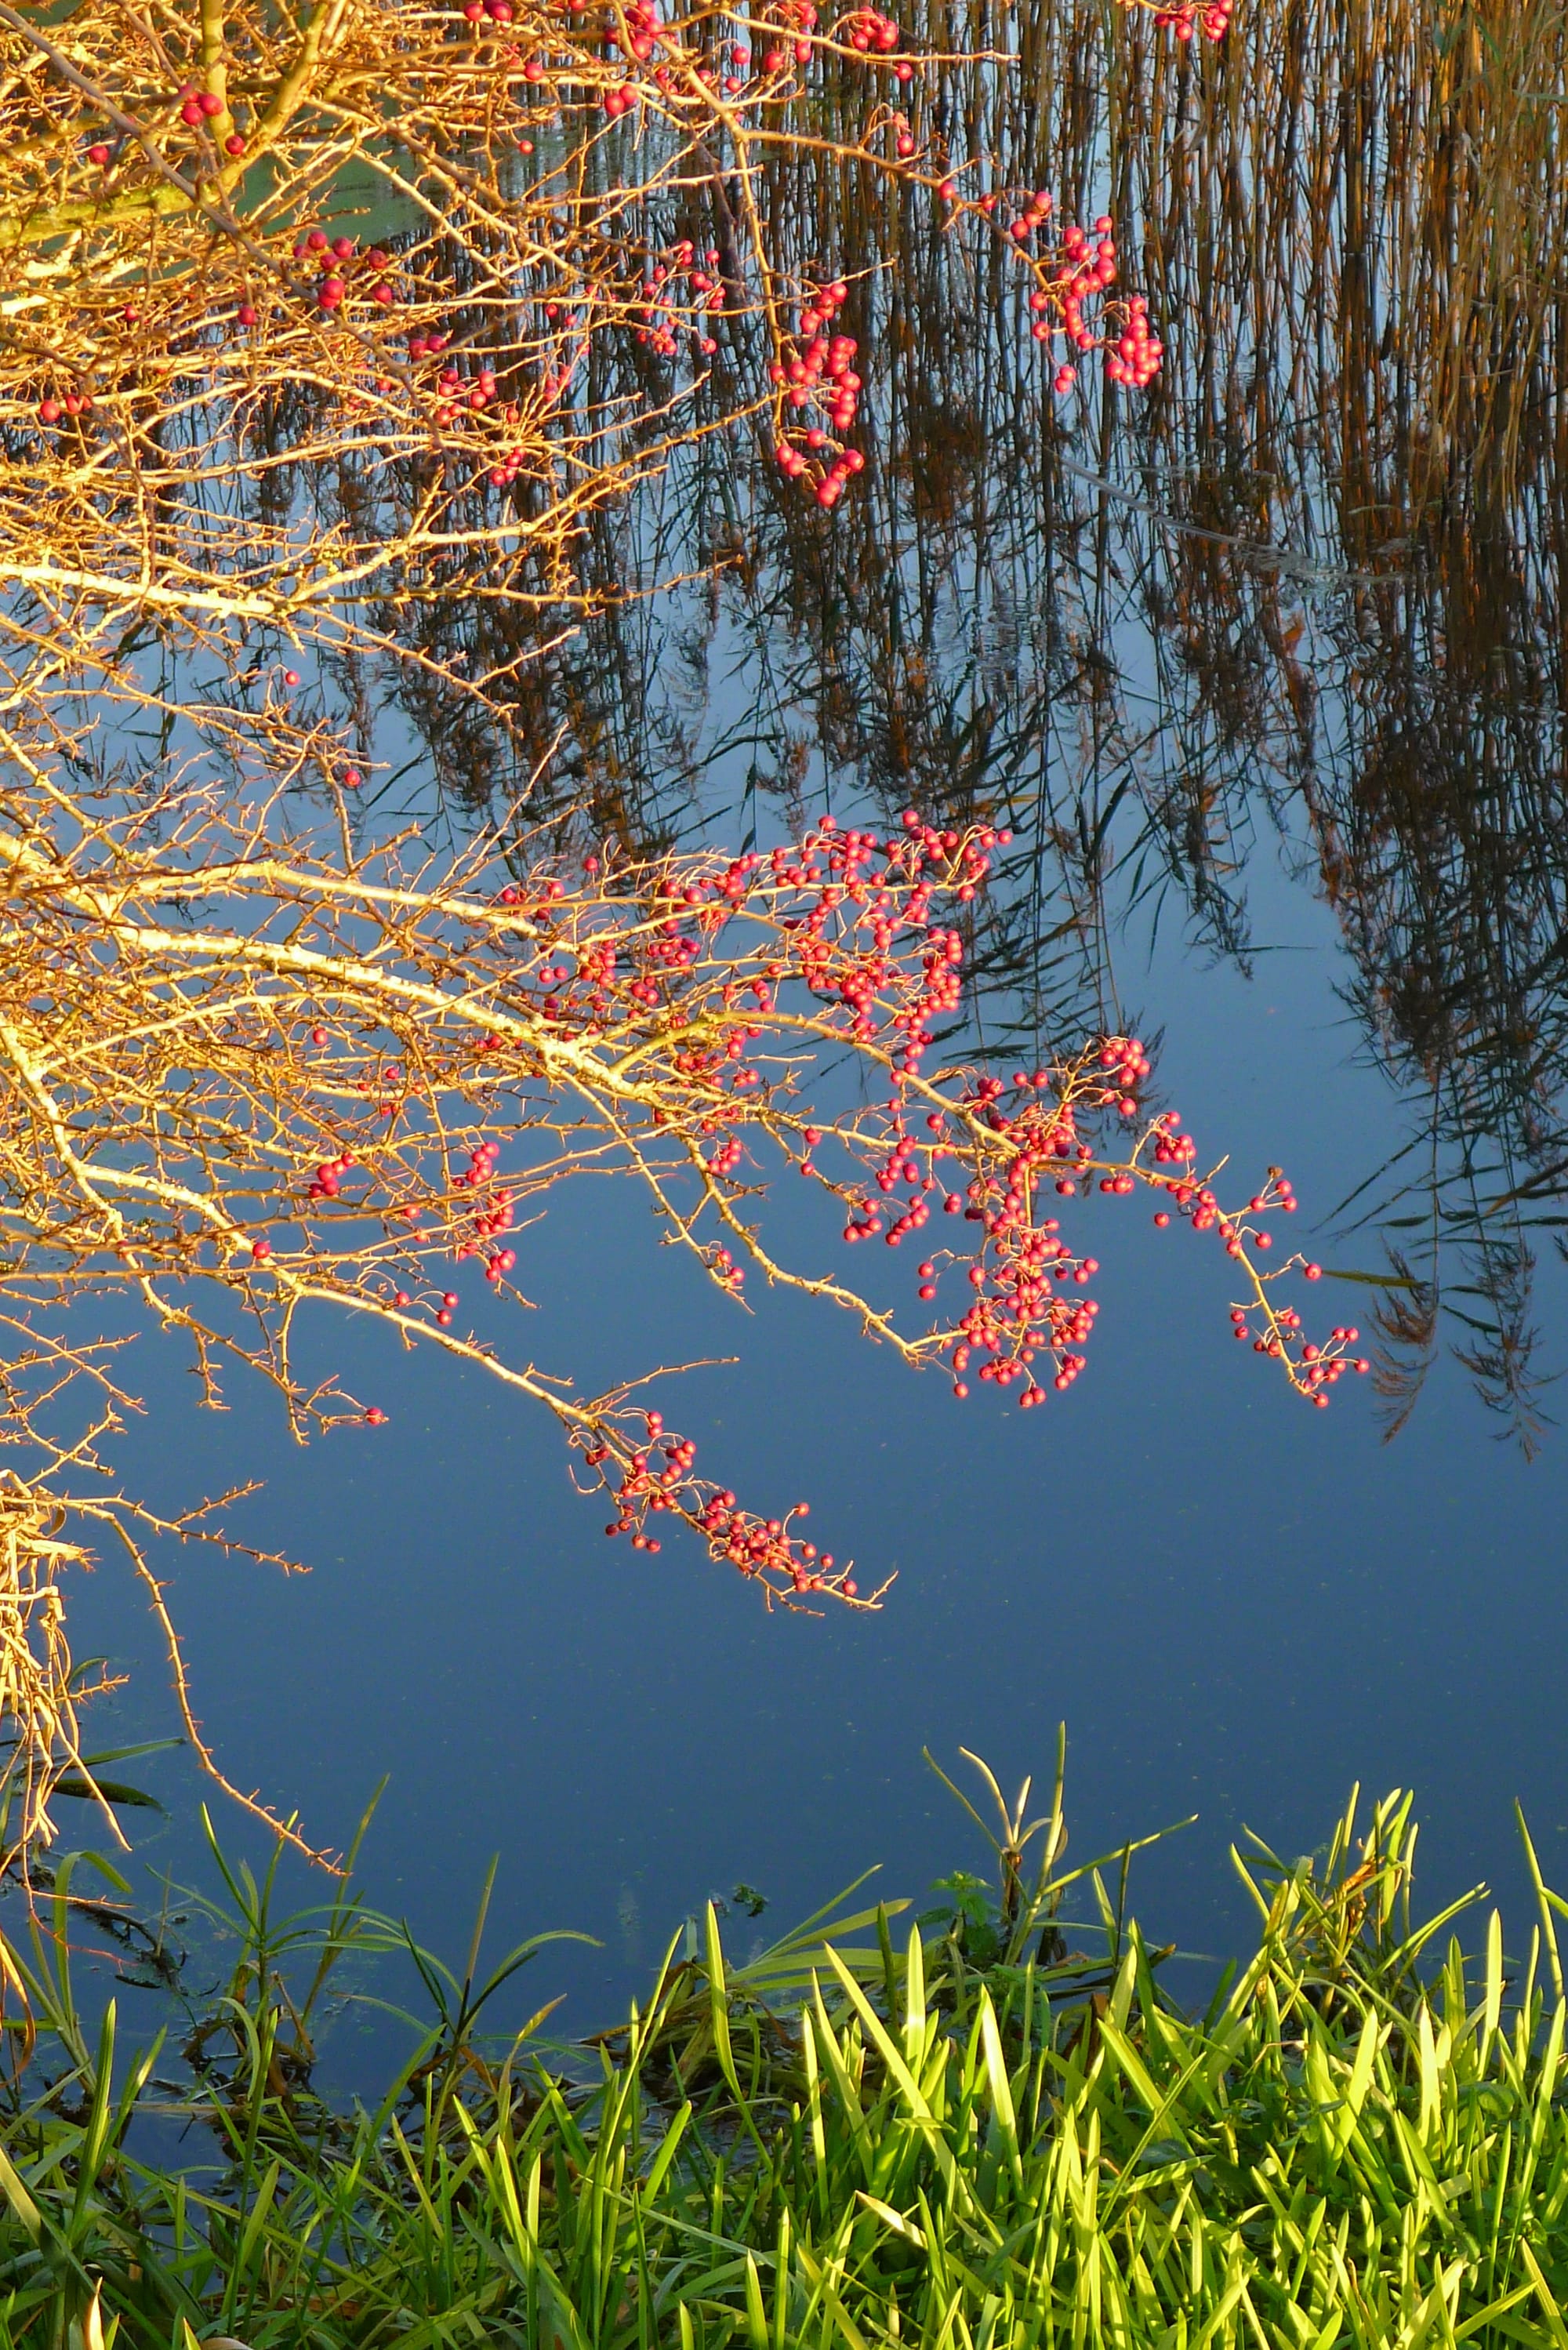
(1267,676)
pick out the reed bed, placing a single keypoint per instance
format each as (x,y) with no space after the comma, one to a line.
(1308,589)
(958,2134)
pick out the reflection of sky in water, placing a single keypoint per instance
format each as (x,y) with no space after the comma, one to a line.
(1238,1604)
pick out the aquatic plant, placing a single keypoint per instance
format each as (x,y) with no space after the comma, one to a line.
(968,2132)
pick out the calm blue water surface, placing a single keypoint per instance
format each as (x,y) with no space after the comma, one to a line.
(1238,1604)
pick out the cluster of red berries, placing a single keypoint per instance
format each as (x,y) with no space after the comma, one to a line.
(1312,1368)
(1315,1368)
(1126,1056)
(866,30)
(476,394)
(1134,357)
(677,973)
(455,390)
(637,37)
(331,257)
(1034,216)
(1023,1269)
(1201,1206)
(820,372)
(642,29)
(662,309)
(768,1548)
(197,107)
(642,24)
(74,403)
(722,1264)
(653,1478)
(328,1180)
(495,1216)
(872,33)
(1094,269)
(1017,1314)
(1083,265)
(798,19)
(1186,18)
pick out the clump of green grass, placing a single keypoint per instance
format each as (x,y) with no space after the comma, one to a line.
(971,2135)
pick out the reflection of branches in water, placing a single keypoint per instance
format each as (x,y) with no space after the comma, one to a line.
(1077,627)
(1378,385)
(1500,1354)
(1441,847)
(1309,590)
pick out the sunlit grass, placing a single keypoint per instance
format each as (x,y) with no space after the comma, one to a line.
(953,2132)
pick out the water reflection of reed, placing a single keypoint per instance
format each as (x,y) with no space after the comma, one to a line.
(1352,224)
(1378,244)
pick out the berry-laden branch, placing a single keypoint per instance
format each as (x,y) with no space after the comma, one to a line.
(242,1075)
(565,272)
(356,1085)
